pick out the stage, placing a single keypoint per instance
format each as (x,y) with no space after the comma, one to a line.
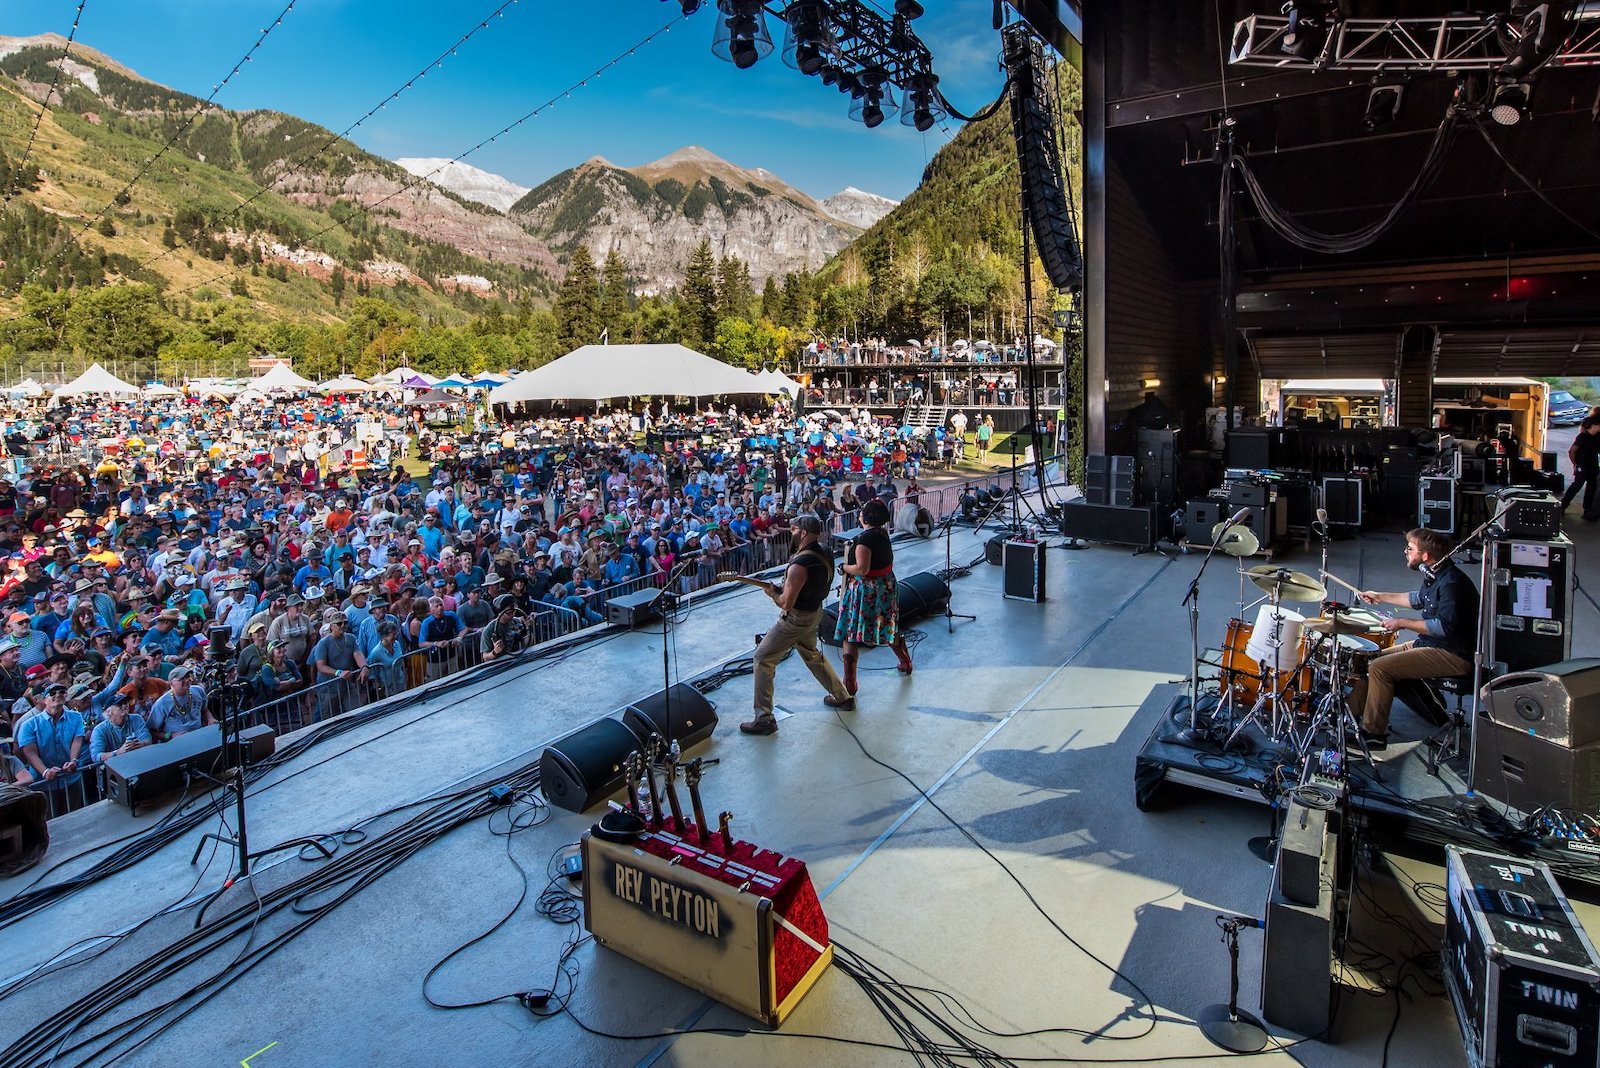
(1024,726)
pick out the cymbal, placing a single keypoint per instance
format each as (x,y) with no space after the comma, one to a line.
(1235,541)
(1339,625)
(1290,585)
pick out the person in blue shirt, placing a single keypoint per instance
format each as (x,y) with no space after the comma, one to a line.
(52,741)
(431,534)
(312,572)
(121,731)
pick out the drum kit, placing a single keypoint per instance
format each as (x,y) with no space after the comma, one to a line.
(1289,672)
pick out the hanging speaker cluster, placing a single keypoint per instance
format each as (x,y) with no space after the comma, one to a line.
(1044,181)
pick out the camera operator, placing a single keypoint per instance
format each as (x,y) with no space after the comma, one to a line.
(506,632)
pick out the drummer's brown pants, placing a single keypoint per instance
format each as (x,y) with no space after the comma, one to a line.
(1373,695)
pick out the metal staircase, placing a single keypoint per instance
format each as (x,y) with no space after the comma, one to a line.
(925,416)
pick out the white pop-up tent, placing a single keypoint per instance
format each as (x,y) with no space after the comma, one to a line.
(595,372)
(97,382)
(281,379)
(344,384)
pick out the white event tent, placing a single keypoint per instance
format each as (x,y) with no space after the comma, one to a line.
(777,382)
(97,382)
(595,372)
(344,384)
(281,377)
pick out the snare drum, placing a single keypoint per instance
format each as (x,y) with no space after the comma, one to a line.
(1383,639)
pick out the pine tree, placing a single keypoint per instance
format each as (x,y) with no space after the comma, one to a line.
(733,288)
(577,306)
(771,301)
(697,324)
(616,297)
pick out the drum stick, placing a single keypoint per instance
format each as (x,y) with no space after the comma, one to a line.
(1335,578)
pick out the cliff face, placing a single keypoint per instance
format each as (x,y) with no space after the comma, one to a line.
(655,215)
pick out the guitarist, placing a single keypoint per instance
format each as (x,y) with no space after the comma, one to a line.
(805,585)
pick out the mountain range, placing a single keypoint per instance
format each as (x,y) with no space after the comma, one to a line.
(331,206)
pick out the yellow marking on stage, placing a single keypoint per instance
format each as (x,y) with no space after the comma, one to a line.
(257,1053)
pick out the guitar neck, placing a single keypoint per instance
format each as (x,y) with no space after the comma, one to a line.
(729,576)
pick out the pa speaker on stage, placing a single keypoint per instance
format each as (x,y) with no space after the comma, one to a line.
(584,768)
(681,714)
(24,834)
(922,594)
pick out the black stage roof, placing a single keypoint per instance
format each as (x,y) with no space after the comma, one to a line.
(1477,248)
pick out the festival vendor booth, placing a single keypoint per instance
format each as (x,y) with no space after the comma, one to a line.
(282,379)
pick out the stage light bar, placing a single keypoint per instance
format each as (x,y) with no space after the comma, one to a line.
(1415,45)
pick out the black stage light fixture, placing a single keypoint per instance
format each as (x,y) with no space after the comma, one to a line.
(1383,105)
(808,40)
(921,108)
(1535,41)
(1510,103)
(1308,27)
(875,104)
(741,37)
(908,9)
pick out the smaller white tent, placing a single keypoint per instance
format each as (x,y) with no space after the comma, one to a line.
(97,382)
(399,375)
(281,379)
(778,382)
(160,389)
(344,384)
(26,388)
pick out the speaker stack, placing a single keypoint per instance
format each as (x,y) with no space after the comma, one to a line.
(585,768)
(24,832)
(1044,190)
(1539,741)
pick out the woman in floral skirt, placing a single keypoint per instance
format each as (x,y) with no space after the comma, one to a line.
(869,608)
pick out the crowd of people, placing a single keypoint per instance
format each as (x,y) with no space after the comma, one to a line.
(166,562)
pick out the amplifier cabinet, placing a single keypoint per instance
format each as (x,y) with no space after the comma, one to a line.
(635,609)
(1436,503)
(1516,767)
(1109,523)
(1023,572)
(746,928)
(1343,498)
(136,778)
(1521,972)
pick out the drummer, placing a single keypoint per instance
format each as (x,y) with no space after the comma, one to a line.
(1447,633)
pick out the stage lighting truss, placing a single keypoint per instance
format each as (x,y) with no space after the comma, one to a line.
(868,56)
(1454,43)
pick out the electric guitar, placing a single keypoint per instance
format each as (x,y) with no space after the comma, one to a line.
(771,589)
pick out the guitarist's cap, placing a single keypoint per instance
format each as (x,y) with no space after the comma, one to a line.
(808,523)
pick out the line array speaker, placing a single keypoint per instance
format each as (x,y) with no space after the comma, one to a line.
(1044,191)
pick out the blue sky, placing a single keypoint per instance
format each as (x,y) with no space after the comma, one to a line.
(331,60)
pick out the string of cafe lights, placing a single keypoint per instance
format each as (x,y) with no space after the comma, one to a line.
(418,180)
(194,113)
(298,167)
(38,120)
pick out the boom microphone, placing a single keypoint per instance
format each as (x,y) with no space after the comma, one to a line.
(1322,516)
(1240,516)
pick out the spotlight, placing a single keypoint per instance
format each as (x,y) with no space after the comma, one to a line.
(741,36)
(1535,41)
(873,105)
(1308,28)
(922,108)
(1383,104)
(830,74)
(808,40)
(908,9)
(1510,105)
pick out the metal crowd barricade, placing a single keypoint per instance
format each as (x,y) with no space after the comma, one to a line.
(63,797)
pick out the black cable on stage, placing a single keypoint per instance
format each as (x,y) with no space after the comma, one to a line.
(57,1036)
(183,128)
(44,106)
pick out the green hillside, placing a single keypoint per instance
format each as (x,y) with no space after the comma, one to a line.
(949,257)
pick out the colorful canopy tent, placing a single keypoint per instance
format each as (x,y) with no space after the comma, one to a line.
(344,384)
(488,380)
(282,378)
(595,372)
(453,382)
(97,382)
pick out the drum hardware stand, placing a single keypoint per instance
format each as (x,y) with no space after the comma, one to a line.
(1228,1026)
(1279,679)
(1192,731)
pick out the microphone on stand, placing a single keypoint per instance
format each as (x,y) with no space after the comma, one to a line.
(1322,517)
(1239,517)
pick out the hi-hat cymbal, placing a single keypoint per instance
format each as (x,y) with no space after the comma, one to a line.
(1235,541)
(1290,585)
(1339,625)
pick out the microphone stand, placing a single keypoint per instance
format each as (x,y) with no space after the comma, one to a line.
(1191,732)
(1480,664)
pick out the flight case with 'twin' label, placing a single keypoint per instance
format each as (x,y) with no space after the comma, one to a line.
(1521,972)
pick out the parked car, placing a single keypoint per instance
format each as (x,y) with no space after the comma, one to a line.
(1565,409)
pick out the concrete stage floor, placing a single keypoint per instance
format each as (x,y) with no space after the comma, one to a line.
(1023,725)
